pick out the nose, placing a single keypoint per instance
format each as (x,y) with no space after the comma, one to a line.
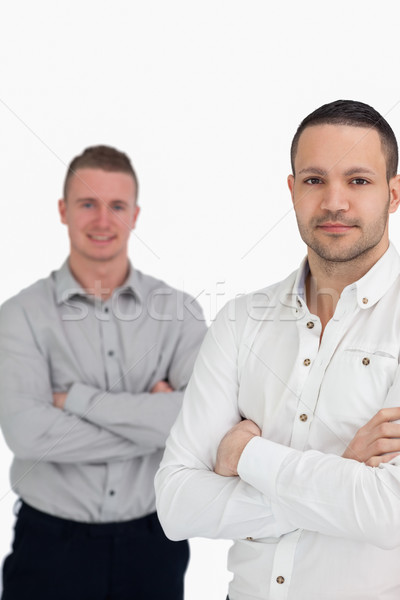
(103,216)
(335,198)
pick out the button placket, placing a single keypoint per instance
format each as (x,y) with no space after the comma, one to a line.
(112,361)
(283,565)
(316,371)
(112,486)
(308,331)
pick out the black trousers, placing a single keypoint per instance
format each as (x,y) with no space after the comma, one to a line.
(58,559)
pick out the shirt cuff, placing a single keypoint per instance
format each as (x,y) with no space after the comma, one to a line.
(260,464)
(78,398)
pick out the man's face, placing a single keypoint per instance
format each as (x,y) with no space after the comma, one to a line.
(340,193)
(100,211)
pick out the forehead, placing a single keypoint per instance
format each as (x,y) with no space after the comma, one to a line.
(339,146)
(107,185)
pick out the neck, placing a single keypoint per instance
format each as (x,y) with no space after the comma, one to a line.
(327,280)
(97,277)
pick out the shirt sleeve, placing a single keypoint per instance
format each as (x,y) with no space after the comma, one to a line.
(192,500)
(144,418)
(33,428)
(326,493)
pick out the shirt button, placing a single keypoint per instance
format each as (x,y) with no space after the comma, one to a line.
(111,493)
(365,361)
(280,579)
(303,418)
(106,309)
(365,300)
(307,362)
(111,353)
(310,324)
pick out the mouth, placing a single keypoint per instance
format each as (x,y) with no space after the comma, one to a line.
(331,227)
(100,239)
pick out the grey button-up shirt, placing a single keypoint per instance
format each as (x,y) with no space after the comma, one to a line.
(95,460)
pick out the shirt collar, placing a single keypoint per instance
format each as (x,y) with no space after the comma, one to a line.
(376,282)
(67,286)
(299,294)
(369,289)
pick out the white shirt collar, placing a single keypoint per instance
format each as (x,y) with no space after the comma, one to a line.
(369,289)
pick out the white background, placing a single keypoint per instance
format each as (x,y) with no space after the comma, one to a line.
(205,98)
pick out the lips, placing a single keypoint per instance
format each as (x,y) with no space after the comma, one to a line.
(100,238)
(330,227)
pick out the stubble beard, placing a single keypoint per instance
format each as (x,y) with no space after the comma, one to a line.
(331,251)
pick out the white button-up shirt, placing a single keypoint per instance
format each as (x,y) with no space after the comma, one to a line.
(307,523)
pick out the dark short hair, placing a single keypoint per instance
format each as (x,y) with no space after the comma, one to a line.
(101,157)
(356,114)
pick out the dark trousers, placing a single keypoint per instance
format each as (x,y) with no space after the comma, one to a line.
(58,559)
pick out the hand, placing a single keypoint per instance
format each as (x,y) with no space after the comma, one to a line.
(161,386)
(59,399)
(232,446)
(378,441)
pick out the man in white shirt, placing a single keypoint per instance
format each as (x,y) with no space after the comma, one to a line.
(287,441)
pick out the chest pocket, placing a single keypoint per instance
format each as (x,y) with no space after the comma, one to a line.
(355,387)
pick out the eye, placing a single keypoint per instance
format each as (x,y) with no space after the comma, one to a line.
(87,204)
(118,207)
(359,181)
(313,180)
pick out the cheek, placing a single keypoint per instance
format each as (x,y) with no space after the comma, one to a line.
(124,227)
(372,208)
(304,212)
(77,225)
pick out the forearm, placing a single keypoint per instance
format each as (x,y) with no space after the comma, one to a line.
(192,499)
(144,418)
(326,493)
(196,502)
(42,432)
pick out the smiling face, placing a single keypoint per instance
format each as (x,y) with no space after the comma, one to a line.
(100,211)
(340,193)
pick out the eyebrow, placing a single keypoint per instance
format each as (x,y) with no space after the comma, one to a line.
(353,171)
(314,170)
(91,199)
(359,170)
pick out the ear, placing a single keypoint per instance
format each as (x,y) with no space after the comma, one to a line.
(135,216)
(394,191)
(62,209)
(290,182)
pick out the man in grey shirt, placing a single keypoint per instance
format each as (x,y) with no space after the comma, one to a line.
(93,363)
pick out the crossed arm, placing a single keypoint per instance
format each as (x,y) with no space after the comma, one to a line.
(237,484)
(142,418)
(103,427)
(376,442)
(59,398)
(262,489)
